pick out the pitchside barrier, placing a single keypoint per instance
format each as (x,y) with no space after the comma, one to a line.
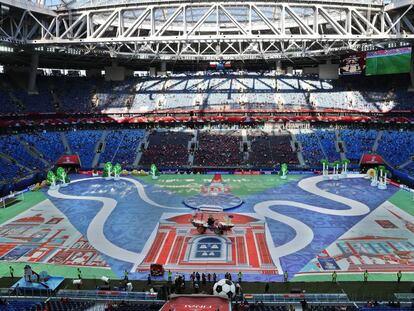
(12,198)
(107,295)
(297,298)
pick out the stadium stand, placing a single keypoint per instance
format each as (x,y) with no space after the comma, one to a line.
(84,143)
(327,140)
(269,149)
(403,141)
(206,91)
(218,148)
(121,146)
(167,149)
(12,146)
(358,142)
(21,305)
(49,144)
(311,147)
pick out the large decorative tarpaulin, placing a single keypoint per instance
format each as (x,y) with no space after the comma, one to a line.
(197,302)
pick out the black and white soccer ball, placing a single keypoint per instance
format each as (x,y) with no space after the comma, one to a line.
(224,288)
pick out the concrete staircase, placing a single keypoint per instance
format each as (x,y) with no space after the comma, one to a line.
(297,146)
(17,102)
(377,141)
(138,153)
(406,163)
(97,307)
(338,144)
(101,142)
(14,162)
(194,141)
(320,146)
(245,140)
(33,151)
(57,104)
(68,149)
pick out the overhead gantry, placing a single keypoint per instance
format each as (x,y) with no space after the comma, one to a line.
(207,30)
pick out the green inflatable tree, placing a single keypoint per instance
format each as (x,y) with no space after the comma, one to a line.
(51,179)
(117,169)
(284,170)
(62,176)
(107,171)
(154,171)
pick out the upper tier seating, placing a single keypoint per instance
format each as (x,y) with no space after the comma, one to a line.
(207,91)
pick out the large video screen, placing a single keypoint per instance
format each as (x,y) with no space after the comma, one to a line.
(352,64)
(386,62)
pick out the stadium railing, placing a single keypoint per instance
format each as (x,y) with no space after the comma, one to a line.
(108,295)
(296,298)
(404,297)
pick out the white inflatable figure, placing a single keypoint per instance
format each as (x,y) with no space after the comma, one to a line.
(336,170)
(344,172)
(325,169)
(382,182)
(374,179)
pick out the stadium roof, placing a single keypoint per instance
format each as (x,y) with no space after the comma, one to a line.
(75,4)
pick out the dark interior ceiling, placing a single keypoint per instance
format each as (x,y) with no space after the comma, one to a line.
(21,57)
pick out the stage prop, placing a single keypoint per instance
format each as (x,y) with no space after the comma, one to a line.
(37,281)
(335,172)
(107,171)
(224,288)
(214,196)
(382,179)
(196,302)
(241,247)
(374,176)
(62,176)
(60,179)
(345,163)
(283,171)
(156,270)
(51,180)
(215,222)
(325,168)
(154,172)
(117,171)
